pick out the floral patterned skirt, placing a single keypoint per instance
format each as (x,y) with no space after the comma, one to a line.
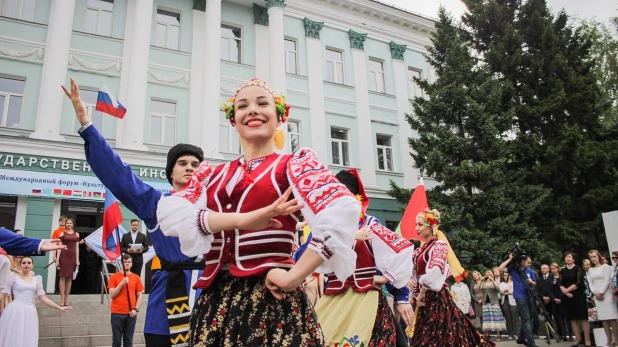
(441,324)
(240,311)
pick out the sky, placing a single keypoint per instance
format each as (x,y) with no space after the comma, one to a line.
(601,10)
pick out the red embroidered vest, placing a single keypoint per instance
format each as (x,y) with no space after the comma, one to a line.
(362,279)
(421,260)
(249,253)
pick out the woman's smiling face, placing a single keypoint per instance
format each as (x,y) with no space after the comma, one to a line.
(255,114)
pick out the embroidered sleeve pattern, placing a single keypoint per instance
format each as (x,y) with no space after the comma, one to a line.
(438,256)
(202,222)
(316,184)
(394,241)
(319,244)
(196,186)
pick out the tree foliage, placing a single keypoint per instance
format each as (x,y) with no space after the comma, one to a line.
(513,129)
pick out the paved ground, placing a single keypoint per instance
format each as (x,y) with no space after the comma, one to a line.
(539,342)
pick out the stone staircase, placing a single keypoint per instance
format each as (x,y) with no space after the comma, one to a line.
(88,324)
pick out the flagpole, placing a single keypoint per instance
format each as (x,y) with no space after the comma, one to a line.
(124,271)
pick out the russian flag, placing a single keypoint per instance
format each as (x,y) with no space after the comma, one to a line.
(107,103)
(112,218)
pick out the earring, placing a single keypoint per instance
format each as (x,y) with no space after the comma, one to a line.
(279,139)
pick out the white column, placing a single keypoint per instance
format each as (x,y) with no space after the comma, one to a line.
(133,128)
(316,98)
(262,56)
(51,271)
(196,91)
(400,69)
(211,80)
(277,58)
(365,135)
(126,66)
(610,221)
(20,213)
(57,46)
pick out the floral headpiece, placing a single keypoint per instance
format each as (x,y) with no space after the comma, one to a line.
(283,109)
(430,220)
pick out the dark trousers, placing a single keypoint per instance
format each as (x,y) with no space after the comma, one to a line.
(123,327)
(136,268)
(511,315)
(528,315)
(153,340)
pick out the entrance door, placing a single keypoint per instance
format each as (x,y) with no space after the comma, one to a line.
(8,209)
(88,216)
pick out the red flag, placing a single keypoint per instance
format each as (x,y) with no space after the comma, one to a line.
(112,218)
(417,203)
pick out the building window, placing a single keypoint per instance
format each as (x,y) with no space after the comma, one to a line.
(385,152)
(294,135)
(89,98)
(168,29)
(162,123)
(376,81)
(11,99)
(229,140)
(20,9)
(99,15)
(334,66)
(290,57)
(340,146)
(230,43)
(413,87)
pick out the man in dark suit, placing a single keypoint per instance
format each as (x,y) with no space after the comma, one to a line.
(543,287)
(135,237)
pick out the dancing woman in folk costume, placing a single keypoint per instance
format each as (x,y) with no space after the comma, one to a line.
(439,323)
(251,293)
(356,310)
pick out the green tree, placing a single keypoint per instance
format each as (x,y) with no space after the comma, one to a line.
(463,143)
(559,138)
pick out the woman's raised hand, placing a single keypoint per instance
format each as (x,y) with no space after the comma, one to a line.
(78,104)
(264,217)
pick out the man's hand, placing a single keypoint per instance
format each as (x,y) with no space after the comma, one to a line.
(125,281)
(132,313)
(404,311)
(569,295)
(557,301)
(78,104)
(546,299)
(52,245)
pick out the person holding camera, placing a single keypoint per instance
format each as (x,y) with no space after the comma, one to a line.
(493,319)
(524,302)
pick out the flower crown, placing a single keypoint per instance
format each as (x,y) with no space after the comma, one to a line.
(430,220)
(283,109)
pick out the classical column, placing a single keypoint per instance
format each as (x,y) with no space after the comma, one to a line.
(315,76)
(262,62)
(196,88)
(277,54)
(211,80)
(367,141)
(403,107)
(54,74)
(123,93)
(137,78)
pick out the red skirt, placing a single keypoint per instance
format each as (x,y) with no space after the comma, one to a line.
(441,324)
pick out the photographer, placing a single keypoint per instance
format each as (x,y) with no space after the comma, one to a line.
(525,304)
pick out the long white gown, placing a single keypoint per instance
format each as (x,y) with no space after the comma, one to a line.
(599,279)
(19,323)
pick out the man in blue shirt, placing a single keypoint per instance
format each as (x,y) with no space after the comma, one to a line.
(525,304)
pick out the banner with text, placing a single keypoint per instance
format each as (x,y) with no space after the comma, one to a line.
(56,185)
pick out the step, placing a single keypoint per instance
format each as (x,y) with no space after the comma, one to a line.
(82,330)
(85,340)
(71,320)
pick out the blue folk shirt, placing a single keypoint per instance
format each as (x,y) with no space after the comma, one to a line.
(142,200)
(15,244)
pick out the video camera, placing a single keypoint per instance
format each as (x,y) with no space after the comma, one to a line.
(519,254)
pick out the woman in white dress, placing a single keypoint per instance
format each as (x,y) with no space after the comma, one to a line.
(600,278)
(19,323)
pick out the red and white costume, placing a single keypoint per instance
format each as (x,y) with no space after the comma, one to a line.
(330,210)
(430,266)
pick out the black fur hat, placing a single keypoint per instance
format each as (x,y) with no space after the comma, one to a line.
(178,151)
(348,180)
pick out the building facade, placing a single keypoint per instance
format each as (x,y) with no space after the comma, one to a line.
(346,67)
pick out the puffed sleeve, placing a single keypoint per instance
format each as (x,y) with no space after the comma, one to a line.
(39,285)
(10,279)
(330,209)
(392,253)
(437,268)
(185,216)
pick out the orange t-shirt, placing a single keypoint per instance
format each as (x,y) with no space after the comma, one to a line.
(120,305)
(56,233)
